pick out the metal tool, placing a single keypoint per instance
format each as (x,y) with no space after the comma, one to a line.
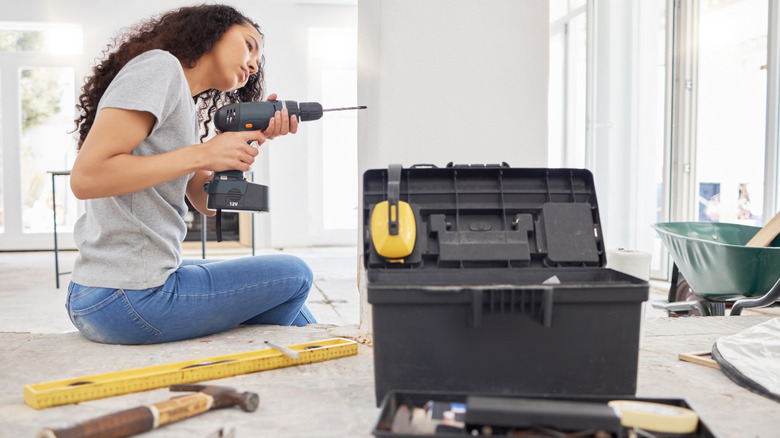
(231,433)
(229,189)
(253,116)
(292,354)
(145,418)
(346,108)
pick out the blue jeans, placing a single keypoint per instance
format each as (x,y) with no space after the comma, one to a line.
(201,298)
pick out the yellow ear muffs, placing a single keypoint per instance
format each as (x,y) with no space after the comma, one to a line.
(393,229)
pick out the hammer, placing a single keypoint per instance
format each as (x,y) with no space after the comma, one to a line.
(145,418)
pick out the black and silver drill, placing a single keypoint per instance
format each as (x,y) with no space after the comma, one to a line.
(229,189)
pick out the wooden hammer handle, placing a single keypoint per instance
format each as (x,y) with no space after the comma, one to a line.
(119,424)
(179,408)
(137,420)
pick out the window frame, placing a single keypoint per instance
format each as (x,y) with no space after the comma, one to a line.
(682,150)
(678,187)
(14,238)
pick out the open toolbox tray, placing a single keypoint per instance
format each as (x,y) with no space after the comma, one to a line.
(394,399)
(490,217)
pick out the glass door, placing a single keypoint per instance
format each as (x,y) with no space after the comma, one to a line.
(731,113)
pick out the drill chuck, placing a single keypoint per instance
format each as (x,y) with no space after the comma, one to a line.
(310,111)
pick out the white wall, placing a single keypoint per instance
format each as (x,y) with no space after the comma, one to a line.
(452,80)
(461,81)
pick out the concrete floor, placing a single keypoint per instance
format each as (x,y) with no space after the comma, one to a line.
(333,300)
(329,399)
(39,344)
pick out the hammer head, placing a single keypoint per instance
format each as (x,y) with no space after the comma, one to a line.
(224,397)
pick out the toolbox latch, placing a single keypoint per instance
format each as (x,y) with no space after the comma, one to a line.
(393,196)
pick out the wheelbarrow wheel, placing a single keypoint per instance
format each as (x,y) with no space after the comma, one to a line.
(680,290)
(716,308)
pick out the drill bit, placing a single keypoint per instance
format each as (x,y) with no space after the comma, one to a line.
(345,108)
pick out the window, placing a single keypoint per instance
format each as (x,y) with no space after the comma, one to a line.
(41,38)
(47,103)
(339,144)
(648,138)
(607,111)
(2,200)
(332,58)
(731,111)
(38,71)
(567,90)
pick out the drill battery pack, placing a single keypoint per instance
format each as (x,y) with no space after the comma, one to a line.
(231,191)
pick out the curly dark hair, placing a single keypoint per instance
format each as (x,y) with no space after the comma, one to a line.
(187,33)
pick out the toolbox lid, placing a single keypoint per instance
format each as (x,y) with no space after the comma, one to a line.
(483,216)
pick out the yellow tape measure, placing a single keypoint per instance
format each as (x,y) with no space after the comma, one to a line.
(655,417)
(61,392)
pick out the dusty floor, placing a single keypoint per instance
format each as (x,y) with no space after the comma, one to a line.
(334,398)
(39,344)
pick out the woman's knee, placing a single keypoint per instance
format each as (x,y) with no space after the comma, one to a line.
(295,266)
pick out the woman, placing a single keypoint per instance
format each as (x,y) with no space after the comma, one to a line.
(140,154)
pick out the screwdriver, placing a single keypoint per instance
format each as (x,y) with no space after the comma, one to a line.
(251,116)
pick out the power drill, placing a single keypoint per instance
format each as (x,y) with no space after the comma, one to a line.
(229,190)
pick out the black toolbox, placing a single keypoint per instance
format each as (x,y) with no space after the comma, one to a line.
(504,290)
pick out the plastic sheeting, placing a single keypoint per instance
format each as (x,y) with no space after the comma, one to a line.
(751,358)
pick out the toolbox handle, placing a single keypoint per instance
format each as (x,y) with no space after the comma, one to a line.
(393,196)
(503,164)
(544,311)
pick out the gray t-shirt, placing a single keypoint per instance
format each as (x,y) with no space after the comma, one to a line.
(133,241)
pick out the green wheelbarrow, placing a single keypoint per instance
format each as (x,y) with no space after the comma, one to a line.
(719,268)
